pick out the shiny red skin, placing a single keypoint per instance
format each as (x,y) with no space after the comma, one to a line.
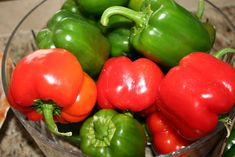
(56,75)
(164,138)
(128,85)
(194,93)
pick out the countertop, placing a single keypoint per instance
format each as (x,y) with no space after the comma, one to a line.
(15,141)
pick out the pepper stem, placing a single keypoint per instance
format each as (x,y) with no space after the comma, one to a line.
(228,124)
(219,54)
(200,8)
(138,17)
(100,130)
(48,110)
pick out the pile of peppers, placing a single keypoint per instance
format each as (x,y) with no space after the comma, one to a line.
(126,73)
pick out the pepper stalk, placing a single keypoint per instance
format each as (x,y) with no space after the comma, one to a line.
(48,110)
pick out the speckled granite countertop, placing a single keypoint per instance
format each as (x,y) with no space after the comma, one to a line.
(16,142)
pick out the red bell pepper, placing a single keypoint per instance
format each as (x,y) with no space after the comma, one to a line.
(164,138)
(128,85)
(198,90)
(50,84)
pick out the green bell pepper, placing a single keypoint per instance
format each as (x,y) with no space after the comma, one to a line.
(111,134)
(71,5)
(96,7)
(136,4)
(70,31)
(229,149)
(159,26)
(120,45)
(230,152)
(118,33)
(44,39)
(60,15)
(119,40)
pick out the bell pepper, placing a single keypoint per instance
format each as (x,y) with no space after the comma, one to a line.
(127,85)
(156,29)
(44,38)
(50,84)
(96,7)
(119,41)
(138,5)
(120,45)
(164,138)
(230,152)
(118,34)
(229,145)
(59,16)
(196,92)
(69,31)
(72,6)
(111,134)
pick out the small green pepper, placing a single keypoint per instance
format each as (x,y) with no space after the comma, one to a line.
(44,38)
(119,40)
(136,4)
(96,7)
(79,36)
(60,15)
(71,5)
(92,50)
(230,152)
(159,26)
(111,134)
(229,149)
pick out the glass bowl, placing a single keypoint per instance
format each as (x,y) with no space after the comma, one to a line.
(21,42)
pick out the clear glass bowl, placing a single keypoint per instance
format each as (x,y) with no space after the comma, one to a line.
(22,42)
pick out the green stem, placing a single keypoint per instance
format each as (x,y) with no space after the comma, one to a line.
(227,123)
(48,110)
(101,131)
(76,140)
(138,17)
(219,54)
(200,8)
(128,113)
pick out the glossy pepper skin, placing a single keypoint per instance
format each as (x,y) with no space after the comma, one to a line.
(157,29)
(229,149)
(164,138)
(44,38)
(59,16)
(128,85)
(72,6)
(198,90)
(111,134)
(50,84)
(136,4)
(96,7)
(119,40)
(69,31)
(230,152)
(118,34)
